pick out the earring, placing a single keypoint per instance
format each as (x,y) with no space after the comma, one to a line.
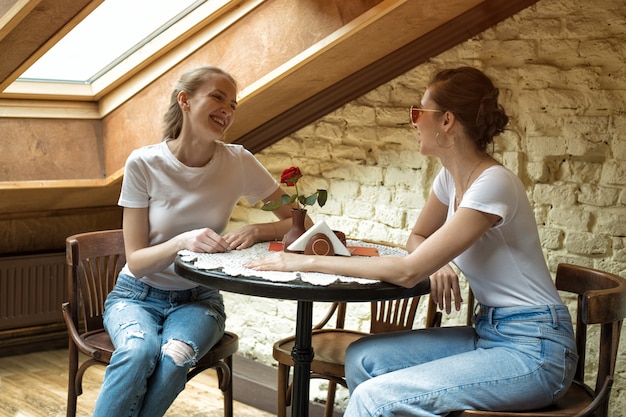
(440,145)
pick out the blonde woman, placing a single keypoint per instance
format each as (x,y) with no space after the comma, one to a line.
(178,194)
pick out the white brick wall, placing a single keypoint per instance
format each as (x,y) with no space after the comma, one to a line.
(560,68)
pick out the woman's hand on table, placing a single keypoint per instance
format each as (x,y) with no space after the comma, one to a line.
(204,241)
(278,261)
(443,285)
(242,238)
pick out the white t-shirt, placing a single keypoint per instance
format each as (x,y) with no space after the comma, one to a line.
(506,266)
(182,198)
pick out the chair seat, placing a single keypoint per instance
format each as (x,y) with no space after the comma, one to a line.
(575,400)
(227,346)
(100,340)
(329,348)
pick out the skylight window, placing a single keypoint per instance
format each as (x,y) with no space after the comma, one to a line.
(112,32)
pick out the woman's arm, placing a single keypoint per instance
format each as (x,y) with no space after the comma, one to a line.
(436,248)
(431,218)
(250,234)
(144,260)
(444,283)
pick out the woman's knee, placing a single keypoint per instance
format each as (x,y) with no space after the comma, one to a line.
(355,365)
(180,352)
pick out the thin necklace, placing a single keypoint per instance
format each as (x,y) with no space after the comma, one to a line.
(458,199)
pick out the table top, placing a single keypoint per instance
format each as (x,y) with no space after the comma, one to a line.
(296,289)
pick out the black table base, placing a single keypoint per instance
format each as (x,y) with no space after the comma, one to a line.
(302,355)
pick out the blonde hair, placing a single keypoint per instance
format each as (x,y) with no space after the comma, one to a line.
(189,82)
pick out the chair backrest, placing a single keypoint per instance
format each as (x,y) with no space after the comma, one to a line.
(94,260)
(386,316)
(601,301)
(393,315)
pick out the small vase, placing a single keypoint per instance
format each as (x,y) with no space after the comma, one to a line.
(297,228)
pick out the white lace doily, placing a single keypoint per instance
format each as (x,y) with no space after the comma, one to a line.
(232,262)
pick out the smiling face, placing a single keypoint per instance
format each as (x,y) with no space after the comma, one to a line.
(210,109)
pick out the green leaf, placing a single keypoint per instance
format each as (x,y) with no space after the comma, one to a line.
(288,199)
(322,196)
(271,205)
(310,200)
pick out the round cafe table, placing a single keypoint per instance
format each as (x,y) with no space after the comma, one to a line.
(305,294)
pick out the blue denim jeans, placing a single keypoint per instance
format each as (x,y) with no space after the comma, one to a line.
(514,358)
(141,379)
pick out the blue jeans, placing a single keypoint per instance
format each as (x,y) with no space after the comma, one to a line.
(514,358)
(141,379)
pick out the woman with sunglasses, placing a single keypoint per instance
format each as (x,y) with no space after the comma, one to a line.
(520,353)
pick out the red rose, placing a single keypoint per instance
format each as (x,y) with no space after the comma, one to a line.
(290,176)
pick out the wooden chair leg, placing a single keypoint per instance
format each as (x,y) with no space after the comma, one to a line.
(282,390)
(228,391)
(71,383)
(329,408)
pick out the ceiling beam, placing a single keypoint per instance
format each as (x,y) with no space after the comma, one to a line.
(436,41)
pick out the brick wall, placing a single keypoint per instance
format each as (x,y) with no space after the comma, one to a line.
(560,66)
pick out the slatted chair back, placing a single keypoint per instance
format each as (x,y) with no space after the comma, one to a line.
(601,300)
(94,262)
(393,315)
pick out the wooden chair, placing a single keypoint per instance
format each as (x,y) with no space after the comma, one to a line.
(94,261)
(330,344)
(601,301)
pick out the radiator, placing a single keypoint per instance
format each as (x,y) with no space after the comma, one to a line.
(32,289)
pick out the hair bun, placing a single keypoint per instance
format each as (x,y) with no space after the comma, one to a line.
(491,118)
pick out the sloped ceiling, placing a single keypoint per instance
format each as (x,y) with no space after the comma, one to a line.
(375,41)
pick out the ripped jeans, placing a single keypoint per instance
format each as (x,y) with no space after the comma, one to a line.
(149,366)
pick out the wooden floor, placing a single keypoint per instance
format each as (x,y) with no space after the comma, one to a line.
(35,385)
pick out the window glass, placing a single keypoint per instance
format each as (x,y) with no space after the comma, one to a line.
(112,32)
